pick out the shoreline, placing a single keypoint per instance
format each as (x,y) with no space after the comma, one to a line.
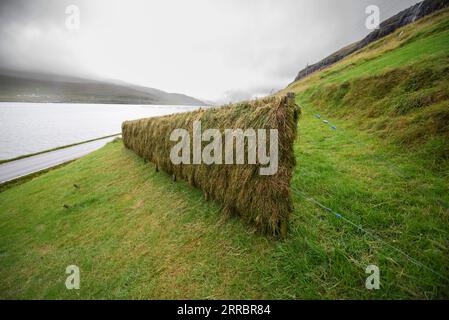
(57,148)
(114,103)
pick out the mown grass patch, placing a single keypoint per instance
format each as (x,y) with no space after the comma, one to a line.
(132,232)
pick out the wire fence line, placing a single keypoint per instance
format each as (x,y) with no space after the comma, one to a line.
(389,164)
(342,217)
(393,168)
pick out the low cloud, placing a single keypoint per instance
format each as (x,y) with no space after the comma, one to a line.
(217,50)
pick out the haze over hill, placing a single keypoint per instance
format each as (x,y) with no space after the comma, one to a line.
(43,87)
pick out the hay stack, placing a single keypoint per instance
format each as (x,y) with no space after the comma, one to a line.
(264,201)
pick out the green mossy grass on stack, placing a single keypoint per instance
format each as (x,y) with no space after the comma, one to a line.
(263,201)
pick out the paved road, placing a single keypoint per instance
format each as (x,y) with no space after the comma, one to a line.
(22,167)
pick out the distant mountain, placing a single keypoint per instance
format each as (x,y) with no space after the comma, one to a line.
(387,27)
(40,87)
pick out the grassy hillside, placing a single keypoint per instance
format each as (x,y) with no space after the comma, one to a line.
(396,88)
(23,86)
(380,163)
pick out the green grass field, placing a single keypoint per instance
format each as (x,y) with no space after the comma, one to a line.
(136,234)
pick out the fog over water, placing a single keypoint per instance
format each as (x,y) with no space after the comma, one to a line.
(31,127)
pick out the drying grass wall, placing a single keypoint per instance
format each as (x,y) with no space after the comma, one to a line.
(263,201)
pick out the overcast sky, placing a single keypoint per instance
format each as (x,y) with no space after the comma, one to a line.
(209,49)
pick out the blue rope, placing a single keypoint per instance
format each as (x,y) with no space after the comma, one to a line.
(375,236)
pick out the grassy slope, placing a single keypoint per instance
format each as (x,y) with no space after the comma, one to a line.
(136,234)
(396,88)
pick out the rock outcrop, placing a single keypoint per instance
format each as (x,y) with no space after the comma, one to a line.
(387,27)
